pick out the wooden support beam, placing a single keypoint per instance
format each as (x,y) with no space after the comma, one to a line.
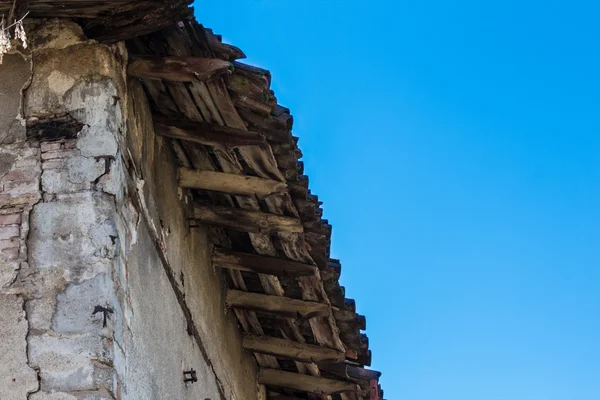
(290,349)
(230,259)
(305,383)
(177,69)
(229,183)
(246,221)
(207,134)
(276,305)
(350,371)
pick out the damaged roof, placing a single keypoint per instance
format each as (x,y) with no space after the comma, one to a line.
(241,163)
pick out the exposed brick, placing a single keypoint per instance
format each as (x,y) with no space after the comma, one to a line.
(70,143)
(10,219)
(17,201)
(28,162)
(19,175)
(50,146)
(53,164)
(49,155)
(12,243)
(7,232)
(11,254)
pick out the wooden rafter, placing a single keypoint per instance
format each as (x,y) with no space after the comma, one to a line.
(306,383)
(291,350)
(206,133)
(224,258)
(245,220)
(275,305)
(229,183)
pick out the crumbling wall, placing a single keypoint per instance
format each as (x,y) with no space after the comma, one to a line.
(105,292)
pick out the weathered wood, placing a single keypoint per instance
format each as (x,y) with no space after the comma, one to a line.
(342,315)
(229,183)
(207,134)
(290,349)
(245,220)
(126,20)
(350,371)
(223,50)
(224,258)
(305,383)
(246,86)
(178,69)
(265,105)
(275,305)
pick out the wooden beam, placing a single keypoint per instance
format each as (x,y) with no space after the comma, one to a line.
(229,183)
(246,221)
(305,383)
(276,305)
(350,371)
(230,259)
(124,20)
(290,349)
(178,69)
(207,134)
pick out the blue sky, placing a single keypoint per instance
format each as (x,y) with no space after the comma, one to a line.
(456,147)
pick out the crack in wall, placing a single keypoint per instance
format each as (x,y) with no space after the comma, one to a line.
(159,248)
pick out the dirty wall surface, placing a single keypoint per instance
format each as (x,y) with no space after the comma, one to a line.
(105,291)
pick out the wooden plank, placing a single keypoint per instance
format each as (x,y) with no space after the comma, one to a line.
(229,183)
(245,220)
(290,349)
(275,305)
(178,69)
(224,258)
(305,383)
(205,133)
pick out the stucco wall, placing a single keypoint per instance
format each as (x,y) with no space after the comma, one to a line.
(105,291)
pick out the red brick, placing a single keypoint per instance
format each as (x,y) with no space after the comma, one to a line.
(12,243)
(53,164)
(10,219)
(10,231)
(59,154)
(19,176)
(50,146)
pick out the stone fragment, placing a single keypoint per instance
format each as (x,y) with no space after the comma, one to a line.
(17,378)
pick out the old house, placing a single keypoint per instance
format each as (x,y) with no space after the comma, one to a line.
(158,239)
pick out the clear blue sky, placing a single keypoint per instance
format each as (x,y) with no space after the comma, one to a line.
(456,146)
